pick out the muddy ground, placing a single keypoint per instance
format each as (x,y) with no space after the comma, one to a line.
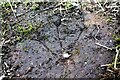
(38,53)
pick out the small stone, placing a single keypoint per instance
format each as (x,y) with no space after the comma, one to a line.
(85,62)
(110,40)
(66,55)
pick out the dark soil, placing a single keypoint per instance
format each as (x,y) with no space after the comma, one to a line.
(38,54)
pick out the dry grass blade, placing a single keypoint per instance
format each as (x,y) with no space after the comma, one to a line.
(11,7)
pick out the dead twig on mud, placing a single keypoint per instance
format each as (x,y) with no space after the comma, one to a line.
(103,46)
(116,58)
(110,65)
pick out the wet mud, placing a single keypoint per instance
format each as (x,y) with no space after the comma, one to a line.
(75,33)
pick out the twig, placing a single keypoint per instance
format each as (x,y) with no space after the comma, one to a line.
(103,46)
(108,65)
(6,65)
(116,58)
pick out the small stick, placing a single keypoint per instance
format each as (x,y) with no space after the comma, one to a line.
(108,65)
(104,46)
(6,65)
(116,58)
